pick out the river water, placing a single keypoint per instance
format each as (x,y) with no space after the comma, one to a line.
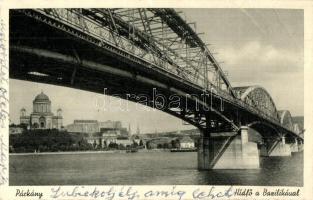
(146,168)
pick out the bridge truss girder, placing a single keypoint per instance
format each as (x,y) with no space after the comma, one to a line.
(159,35)
(114,30)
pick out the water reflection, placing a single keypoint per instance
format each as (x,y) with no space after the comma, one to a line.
(147,169)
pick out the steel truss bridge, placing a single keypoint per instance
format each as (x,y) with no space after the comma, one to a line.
(133,51)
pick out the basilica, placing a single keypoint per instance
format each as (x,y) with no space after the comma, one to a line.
(41,117)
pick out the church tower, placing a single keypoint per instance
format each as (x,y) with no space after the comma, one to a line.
(59,112)
(138,130)
(24,119)
(23,112)
(129,130)
(58,120)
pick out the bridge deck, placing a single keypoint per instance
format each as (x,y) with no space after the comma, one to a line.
(140,50)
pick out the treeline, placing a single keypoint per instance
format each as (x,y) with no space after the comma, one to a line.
(162,144)
(158,144)
(50,140)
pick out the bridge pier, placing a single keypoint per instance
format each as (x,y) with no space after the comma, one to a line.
(263,151)
(294,147)
(203,153)
(280,149)
(300,146)
(228,150)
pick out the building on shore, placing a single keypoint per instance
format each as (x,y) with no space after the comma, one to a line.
(94,126)
(125,142)
(100,140)
(169,143)
(100,134)
(83,126)
(186,143)
(159,143)
(110,125)
(41,117)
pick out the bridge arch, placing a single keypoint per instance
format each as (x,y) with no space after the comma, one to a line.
(296,128)
(286,119)
(259,98)
(265,129)
(261,132)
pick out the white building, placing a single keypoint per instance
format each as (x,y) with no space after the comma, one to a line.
(124,142)
(186,143)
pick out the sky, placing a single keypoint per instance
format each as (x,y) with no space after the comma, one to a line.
(255,47)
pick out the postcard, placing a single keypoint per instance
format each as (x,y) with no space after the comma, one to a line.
(144,100)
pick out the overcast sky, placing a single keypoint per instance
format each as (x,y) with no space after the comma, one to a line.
(257,47)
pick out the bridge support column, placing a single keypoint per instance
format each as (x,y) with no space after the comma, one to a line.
(281,149)
(263,150)
(204,153)
(294,147)
(300,146)
(228,150)
(240,154)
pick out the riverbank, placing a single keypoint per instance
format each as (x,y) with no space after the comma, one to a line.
(88,152)
(68,152)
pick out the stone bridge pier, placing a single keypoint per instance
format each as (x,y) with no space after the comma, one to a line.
(229,150)
(294,147)
(300,146)
(280,148)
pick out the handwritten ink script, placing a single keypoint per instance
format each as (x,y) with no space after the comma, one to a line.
(131,193)
(168,193)
(109,194)
(4,102)
(3,161)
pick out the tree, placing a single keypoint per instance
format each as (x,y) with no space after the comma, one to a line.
(167,145)
(175,143)
(113,145)
(45,140)
(135,144)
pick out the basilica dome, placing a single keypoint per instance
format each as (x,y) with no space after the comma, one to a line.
(42,97)
(42,104)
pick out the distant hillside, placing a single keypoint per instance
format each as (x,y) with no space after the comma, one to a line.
(299,120)
(191,133)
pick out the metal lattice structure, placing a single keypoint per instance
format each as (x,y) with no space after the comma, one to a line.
(259,98)
(158,36)
(155,38)
(286,119)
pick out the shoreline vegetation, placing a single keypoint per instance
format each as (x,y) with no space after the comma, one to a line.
(52,141)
